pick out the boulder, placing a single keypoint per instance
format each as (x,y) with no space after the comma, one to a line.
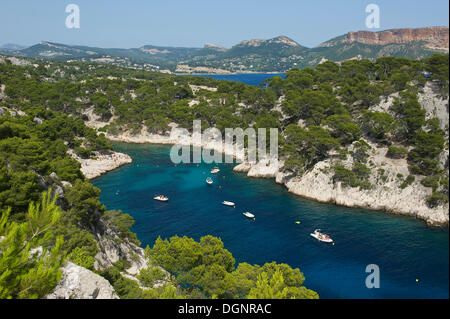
(80,283)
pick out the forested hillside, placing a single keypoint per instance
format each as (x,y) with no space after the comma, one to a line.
(337,113)
(331,110)
(51,216)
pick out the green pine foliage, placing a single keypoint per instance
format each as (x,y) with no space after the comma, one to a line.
(208,266)
(321,113)
(30,255)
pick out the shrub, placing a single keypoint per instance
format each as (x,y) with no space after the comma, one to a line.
(396,152)
(431,181)
(436,199)
(82,152)
(80,257)
(150,276)
(353,178)
(408,181)
(121,223)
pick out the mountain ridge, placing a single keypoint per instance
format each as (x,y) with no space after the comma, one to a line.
(432,35)
(277,54)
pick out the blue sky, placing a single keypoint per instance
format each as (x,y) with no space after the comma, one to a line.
(133,23)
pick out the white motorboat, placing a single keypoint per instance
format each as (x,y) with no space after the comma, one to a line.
(209,181)
(321,236)
(227,203)
(215,170)
(249,215)
(161,198)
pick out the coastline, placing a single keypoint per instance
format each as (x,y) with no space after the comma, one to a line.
(102,163)
(315,185)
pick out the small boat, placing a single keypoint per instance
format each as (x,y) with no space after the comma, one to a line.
(209,181)
(321,236)
(161,198)
(249,215)
(227,203)
(215,170)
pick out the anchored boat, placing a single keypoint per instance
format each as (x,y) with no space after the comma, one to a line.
(215,170)
(209,181)
(321,236)
(249,215)
(161,198)
(227,203)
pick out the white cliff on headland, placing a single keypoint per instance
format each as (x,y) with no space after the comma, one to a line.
(317,184)
(101,163)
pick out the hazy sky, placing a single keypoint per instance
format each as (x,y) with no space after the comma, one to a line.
(133,23)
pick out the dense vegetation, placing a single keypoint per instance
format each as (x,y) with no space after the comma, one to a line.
(322,113)
(319,112)
(40,231)
(184,268)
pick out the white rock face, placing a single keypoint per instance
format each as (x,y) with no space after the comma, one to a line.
(317,184)
(388,196)
(385,104)
(265,168)
(104,162)
(110,251)
(435,105)
(243,167)
(80,283)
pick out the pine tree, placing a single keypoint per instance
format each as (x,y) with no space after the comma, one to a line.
(30,257)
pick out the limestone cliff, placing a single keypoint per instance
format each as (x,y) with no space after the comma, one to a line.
(386,193)
(318,183)
(435,37)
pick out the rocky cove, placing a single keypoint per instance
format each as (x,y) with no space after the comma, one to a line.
(401,245)
(317,184)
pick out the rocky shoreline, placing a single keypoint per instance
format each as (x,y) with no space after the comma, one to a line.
(317,184)
(148,138)
(101,163)
(384,196)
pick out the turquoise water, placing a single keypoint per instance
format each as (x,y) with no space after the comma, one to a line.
(247,78)
(405,249)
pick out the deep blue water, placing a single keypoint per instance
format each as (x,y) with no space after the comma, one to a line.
(247,78)
(405,249)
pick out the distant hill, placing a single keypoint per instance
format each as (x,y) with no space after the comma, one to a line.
(273,55)
(12,46)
